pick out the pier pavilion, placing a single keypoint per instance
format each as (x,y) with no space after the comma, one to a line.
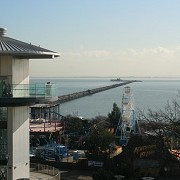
(16,95)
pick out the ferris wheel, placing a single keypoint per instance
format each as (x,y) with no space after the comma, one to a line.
(127,124)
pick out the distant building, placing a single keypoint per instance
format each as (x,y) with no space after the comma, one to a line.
(16,95)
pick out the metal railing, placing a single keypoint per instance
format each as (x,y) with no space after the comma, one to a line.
(27,90)
(37,168)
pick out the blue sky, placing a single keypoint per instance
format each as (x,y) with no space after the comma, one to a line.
(99,37)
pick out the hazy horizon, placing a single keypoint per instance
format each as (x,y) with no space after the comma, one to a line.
(102,38)
(173,77)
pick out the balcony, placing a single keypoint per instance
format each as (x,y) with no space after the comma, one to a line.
(26,94)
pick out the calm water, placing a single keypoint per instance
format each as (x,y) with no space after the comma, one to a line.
(150,93)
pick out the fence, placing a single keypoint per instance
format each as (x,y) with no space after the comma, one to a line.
(54,174)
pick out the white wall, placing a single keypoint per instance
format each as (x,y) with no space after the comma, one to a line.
(20,71)
(16,71)
(20,77)
(6,67)
(18,142)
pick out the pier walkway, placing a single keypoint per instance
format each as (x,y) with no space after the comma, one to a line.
(76,95)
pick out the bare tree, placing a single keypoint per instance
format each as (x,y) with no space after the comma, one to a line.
(163,123)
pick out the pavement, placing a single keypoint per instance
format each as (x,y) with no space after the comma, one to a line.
(39,176)
(65,175)
(77,174)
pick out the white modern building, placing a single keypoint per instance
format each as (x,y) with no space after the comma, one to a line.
(16,95)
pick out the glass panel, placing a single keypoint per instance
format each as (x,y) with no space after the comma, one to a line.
(50,90)
(27,90)
(20,90)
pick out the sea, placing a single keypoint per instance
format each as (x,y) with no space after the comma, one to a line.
(150,93)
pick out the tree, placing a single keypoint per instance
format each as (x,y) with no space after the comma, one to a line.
(74,131)
(98,139)
(73,124)
(163,123)
(114,116)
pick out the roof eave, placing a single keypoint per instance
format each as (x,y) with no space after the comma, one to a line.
(31,55)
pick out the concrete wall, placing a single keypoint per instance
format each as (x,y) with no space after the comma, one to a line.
(6,68)
(18,142)
(16,71)
(20,77)
(20,71)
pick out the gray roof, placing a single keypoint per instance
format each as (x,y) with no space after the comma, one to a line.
(19,49)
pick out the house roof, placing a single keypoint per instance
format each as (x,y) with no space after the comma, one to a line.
(20,49)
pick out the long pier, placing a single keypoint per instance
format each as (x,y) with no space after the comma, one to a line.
(76,95)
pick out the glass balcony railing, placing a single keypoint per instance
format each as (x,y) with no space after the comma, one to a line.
(27,90)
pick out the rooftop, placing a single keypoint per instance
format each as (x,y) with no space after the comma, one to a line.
(20,49)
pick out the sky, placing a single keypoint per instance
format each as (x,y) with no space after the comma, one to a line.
(104,38)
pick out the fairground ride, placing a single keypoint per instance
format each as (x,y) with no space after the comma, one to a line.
(128,123)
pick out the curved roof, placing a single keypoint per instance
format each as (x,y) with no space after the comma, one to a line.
(16,48)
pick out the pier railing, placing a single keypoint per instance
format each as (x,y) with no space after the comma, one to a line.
(27,90)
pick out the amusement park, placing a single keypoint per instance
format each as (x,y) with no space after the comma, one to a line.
(120,145)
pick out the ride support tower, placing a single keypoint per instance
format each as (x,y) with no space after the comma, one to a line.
(127,124)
